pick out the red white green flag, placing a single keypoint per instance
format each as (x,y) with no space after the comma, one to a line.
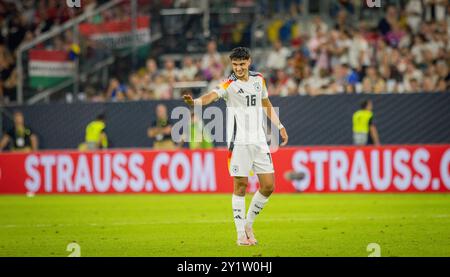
(48,68)
(118,34)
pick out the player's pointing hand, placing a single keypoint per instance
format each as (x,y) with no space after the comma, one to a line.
(188,99)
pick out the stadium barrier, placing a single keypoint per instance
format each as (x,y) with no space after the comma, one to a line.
(420,118)
(393,169)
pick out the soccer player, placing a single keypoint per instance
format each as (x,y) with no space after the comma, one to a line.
(246,95)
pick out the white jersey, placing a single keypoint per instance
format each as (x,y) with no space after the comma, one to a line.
(245,113)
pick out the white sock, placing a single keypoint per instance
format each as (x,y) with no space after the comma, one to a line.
(238,203)
(257,204)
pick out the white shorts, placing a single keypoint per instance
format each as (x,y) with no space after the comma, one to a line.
(244,158)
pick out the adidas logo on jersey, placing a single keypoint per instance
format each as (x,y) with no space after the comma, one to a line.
(241,91)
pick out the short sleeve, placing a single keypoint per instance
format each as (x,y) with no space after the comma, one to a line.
(222,89)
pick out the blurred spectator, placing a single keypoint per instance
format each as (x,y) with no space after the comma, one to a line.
(277,56)
(151,69)
(8,76)
(444,75)
(395,35)
(391,18)
(189,70)
(373,83)
(317,25)
(161,88)
(412,78)
(284,85)
(314,84)
(295,65)
(343,21)
(117,91)
(211,60)
(341,5)
(339,45)
(16,31)
(170,72)
(418,48)
(96,136)
(386,72)
(429,84)
(345,79)
(137,87)
(414,11)
(216,80)
(161,130)
(413,86)
(94,95)
(359,55)
(435,9)
(314,45)
(20,138)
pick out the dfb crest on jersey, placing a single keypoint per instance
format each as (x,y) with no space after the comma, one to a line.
(257,86)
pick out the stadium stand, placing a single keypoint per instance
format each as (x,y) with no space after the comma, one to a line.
(353,49)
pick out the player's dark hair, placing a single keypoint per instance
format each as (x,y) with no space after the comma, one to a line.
(365,103)
(101,117)
(240,53)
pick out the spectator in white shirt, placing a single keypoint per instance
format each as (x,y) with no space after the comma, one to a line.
(277,56)
(315,25)
(211,60)
(412,78)
(359,51)
(170,72)
(414,11)
(284,84)
(189,70)
(417,49)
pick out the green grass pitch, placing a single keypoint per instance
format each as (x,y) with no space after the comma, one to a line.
(202,225)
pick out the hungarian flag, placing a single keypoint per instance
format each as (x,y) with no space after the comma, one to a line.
(48,68)
(118,34)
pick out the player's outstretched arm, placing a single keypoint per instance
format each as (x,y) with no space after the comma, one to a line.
(4,141)
(202,100)
(272,115)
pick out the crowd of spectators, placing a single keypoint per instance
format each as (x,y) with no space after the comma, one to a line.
(21,22)
(407,50)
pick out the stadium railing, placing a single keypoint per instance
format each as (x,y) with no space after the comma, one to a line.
(92,44)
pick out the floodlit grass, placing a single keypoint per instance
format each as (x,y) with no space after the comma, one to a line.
(202,225)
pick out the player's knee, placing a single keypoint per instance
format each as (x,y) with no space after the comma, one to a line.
(240,190)
(240,186)
(268,188)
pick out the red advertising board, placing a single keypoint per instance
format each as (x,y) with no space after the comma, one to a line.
(418,168)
